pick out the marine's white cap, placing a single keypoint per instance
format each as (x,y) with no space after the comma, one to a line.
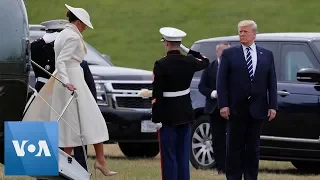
(81,14)
(172,34)
(55,24)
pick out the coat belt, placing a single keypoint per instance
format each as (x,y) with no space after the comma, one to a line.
(177,93)
(42,79)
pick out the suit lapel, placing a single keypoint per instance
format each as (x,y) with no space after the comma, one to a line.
(259,58)
(243,60)
(215,67)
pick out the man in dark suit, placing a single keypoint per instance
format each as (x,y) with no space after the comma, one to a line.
(247,90)
(207,87)
(42,53)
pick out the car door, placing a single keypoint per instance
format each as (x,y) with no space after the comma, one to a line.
(299,112)
(207,49)
(298,102)
(270,129)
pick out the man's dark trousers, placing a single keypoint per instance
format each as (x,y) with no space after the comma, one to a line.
(175,151)
(218,131)
(243,138)
(79,156)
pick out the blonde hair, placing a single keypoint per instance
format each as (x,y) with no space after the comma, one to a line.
(249,23)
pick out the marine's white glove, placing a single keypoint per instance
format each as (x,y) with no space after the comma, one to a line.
(184,49)
(158,126)
(50,37)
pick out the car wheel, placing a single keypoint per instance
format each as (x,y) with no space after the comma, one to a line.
(139,150)
(201,144)
(307,166)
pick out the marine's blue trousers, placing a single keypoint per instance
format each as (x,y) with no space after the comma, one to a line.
(175,151)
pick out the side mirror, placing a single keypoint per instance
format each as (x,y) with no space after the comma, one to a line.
(308,75)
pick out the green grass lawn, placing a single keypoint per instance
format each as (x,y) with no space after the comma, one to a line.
(149,169)
(128,30)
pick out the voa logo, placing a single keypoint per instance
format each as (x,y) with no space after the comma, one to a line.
(41,147)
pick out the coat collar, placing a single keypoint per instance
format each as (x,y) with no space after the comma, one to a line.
(74,28)
(174,52)
(252,47)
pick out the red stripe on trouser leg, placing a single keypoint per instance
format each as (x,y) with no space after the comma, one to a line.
(160,154)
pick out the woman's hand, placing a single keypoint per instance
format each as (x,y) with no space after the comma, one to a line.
(70,86)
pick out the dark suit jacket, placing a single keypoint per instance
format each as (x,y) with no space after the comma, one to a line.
(89,78)
(234,86)
(208,84)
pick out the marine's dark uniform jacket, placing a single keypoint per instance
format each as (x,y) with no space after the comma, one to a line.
(173,73)
(43,54)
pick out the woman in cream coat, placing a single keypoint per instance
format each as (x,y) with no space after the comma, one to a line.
(69,53)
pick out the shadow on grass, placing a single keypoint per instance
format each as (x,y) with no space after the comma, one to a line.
(291,171)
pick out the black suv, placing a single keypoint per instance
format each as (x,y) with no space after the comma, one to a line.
(294,134)
(124,100)
(14,63)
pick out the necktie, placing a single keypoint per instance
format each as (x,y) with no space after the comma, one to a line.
(249,63)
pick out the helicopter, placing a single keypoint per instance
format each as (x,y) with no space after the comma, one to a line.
(14,63)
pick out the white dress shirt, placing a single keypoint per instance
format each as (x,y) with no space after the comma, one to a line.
(253,52)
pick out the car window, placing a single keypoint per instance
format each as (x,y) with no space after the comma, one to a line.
(14,31)
(295,57)
(206,49)
(272,46)
(234,43)
(93,57)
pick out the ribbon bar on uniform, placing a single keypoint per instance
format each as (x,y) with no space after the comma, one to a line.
(177,93)
(42,79)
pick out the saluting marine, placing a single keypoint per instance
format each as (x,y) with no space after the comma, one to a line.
(171,103)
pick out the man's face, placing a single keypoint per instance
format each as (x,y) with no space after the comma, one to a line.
(247,35)
(221,48)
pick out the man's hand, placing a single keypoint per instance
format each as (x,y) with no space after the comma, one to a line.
(224,112)
(272,114)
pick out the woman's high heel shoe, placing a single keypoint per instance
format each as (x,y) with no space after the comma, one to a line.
(104,170)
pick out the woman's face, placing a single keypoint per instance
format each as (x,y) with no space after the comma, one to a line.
(81,26)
